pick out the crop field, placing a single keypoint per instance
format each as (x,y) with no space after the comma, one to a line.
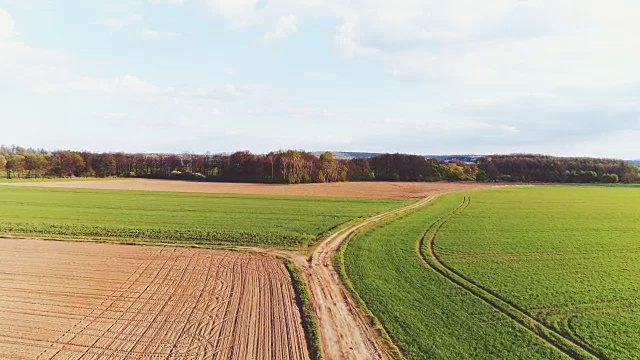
(426,315)
(525,272)
(70,300)
(187,218)
(569,257)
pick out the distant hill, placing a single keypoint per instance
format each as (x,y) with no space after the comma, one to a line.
(349,154)
(465,157)
(355,154)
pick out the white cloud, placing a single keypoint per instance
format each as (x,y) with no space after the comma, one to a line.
(277,17)
(173,2)
(230,70)
(515,44)
(119,85)
(308,112)
(148,34)
(497,75)
(284,25)
(238,11)
(556,117)
(522,45)
(119,23)
(22,4)
(128,100)
(6,25)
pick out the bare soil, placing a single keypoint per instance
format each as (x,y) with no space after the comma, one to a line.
(348,189)
(74,300)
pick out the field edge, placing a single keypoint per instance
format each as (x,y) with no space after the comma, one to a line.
(372,320)
(309,323)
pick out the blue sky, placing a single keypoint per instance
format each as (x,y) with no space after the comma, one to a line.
(497,76)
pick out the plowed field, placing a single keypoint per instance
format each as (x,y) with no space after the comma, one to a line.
(65,300)
(343,189)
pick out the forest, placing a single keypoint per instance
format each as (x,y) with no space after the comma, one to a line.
(294,166)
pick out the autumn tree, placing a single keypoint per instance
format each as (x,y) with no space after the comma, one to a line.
(105,165)
(67,163)
(294,166)
(241,166)
(358,169)
(455,172)
(329,170)
(540,168)
(343,171)
(14,165)
(35,164)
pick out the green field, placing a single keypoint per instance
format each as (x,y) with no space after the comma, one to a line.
(568,257)
(189,218)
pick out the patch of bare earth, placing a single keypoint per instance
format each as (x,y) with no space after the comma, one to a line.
(348,189)
(66,300)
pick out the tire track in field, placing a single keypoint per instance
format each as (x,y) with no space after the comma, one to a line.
(181,304)
(565,344)
(183,286)
(110,335)
(190,329)
(89,316)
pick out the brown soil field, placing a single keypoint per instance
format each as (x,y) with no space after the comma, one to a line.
(348,189)
(76,300)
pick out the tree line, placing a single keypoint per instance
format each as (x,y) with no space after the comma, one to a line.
(293,166)
(549,169)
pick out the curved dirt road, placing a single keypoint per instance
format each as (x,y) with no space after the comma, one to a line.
(344,333)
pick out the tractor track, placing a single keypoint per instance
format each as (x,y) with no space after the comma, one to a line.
(155,303)
(563,343)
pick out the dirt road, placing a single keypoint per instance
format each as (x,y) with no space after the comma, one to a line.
(70,300)
(344,333)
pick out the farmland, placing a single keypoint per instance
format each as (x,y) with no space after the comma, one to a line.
(526,272)
(542,272)
(61,212)
(367,189)
(179,218)
(568,256)
(425,315)
(69,300)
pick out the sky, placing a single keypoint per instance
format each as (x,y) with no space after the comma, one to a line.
(556,77)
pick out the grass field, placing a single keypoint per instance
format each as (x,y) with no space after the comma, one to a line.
(426,315)
(568,256)
(526,272)
(190,218)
